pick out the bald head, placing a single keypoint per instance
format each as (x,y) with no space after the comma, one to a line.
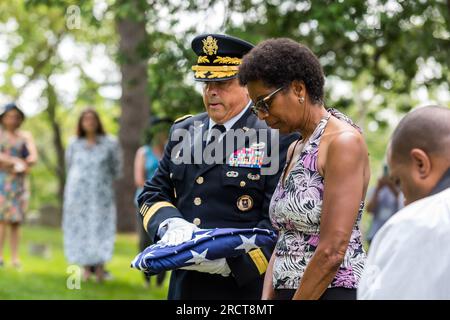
(426,128)
(419,152)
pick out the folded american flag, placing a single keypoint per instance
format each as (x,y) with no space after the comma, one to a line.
(206,244)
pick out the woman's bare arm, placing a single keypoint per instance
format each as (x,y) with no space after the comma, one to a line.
(139,168)
(343,192)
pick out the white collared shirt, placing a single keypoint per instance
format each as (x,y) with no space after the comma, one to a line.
(229,124)
(410,256)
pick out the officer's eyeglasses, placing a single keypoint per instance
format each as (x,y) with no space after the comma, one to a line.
(263,104)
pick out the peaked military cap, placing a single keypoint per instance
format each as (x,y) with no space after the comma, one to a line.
(219,56)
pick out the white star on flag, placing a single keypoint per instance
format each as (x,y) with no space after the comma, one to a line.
(247,243)
(149,254)
(200,236)
(198,258)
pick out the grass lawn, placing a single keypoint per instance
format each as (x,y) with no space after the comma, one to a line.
(45,276)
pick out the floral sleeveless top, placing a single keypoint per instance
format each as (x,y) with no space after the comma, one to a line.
(295,211)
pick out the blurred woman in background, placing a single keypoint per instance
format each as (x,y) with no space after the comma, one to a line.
(17,154)
(145,164)
(93,161)
(385,201)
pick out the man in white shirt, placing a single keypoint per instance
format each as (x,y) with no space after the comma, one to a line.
(410,255)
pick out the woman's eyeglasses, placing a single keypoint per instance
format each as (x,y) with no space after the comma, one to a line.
(263,104)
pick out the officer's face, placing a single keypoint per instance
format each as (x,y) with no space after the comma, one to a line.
(279,114)
(224,99)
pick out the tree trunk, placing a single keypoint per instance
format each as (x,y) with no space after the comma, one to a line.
(60,168)
(135,104)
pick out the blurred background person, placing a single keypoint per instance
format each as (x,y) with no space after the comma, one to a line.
(386,200)
(94,161)
(145,164)
(17,154)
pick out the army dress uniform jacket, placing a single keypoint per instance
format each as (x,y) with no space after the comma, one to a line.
(214,196)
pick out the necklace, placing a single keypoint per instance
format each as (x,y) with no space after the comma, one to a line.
(289,160)
(305,142)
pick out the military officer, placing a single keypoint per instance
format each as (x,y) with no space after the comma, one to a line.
(235,193)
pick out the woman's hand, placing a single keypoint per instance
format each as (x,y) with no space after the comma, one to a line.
(12,164)
(19,166)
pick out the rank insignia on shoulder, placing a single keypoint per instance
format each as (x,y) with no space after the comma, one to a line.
(246,157)
(183,118)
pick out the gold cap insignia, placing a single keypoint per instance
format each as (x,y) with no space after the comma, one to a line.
(245,203)
(210,46)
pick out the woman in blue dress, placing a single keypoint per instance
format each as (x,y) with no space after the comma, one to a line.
(93,161)
(145,165)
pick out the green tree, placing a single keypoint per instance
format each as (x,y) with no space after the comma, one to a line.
(35,57)
(385,43)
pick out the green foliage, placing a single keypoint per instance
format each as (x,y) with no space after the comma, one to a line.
(35,56)
(169,68)
(378,47)
(383,41)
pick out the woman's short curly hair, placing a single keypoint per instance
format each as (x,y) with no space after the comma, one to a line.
(278,62)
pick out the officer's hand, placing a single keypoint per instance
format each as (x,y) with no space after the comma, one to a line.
(178,231)
(218,266)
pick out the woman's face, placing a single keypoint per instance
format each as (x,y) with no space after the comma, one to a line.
(89,123)
(284,108)
(12,119)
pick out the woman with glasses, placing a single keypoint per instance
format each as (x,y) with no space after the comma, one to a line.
(318,202)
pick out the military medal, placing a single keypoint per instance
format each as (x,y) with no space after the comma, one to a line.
(232,174)
(246,157)
(254,177)
(245,203)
